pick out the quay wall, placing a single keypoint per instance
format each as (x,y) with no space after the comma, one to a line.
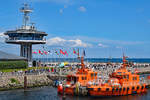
(17,81)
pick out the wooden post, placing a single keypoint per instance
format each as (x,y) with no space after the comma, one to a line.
(25,82)
(64,97)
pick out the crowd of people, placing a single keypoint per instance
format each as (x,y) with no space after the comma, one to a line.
(102,68)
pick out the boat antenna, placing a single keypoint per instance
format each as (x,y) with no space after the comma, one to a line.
(26,10)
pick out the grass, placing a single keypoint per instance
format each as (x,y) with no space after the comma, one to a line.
(24,69)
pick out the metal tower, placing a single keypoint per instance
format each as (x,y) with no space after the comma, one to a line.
(26,36)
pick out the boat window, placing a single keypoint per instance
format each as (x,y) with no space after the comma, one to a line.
(120,89)
(134,78)
(119,73)
(69,79)
(124,89)
(124,76)
(132,88)
(137,87)
(142,87)
(91,74)
(95,74)
(127,88)
(99,89)
(116,89)
(82,78)
(107,89)
(127,76)
(106,81)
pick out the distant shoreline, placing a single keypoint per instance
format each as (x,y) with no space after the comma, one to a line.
(92,60)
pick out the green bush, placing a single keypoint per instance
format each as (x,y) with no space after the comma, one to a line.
(13,64)
(13,80)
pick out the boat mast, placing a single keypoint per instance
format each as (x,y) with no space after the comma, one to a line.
(124,61)
(82,61)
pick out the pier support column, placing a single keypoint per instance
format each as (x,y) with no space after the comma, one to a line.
(26,51)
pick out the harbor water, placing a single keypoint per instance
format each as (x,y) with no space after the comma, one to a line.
(50,93)
(94,60)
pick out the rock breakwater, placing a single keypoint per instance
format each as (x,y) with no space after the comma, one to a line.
(16,82)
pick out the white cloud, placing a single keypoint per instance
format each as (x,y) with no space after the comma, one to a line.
(2,37)
(61,11)
(79,43)
(65,6)
(82,9)
(102,45)
(55,1)
(57,41)
(2,34)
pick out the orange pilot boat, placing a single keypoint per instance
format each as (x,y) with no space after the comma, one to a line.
(121,82)
(87,82)
(76,84)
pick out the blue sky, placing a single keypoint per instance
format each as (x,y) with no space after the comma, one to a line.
(101,27)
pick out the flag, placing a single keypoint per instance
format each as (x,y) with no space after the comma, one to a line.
(56,52)
(48,52)
(34,52)
(66,53)
(40,52)
(84,53)
(78,53)
(62,52)
(74,52)
(45,52)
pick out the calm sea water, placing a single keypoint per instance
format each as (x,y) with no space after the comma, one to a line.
(50,93)
(136,60)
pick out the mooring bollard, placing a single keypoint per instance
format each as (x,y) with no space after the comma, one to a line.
(25,82)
